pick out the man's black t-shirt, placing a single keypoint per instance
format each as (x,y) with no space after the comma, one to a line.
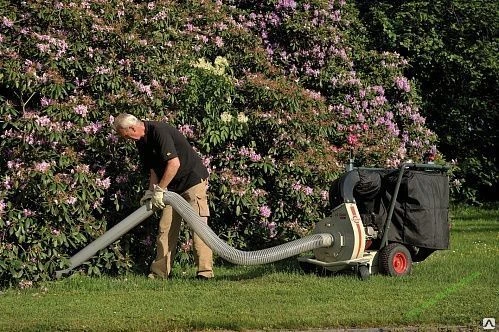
(163,142)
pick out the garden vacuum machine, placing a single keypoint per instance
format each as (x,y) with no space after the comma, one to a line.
(382,220)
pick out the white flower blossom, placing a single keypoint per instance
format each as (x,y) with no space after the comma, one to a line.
(226,117)
(242,118)
(218,68)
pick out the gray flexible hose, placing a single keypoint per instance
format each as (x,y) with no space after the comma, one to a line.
(227,252)
(235,256)
(106,239)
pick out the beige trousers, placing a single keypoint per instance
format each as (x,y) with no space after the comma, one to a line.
(169,230)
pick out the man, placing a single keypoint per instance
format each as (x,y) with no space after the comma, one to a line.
(173,165)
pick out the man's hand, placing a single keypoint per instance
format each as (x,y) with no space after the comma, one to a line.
(157,198)
(146,199)
(147,196)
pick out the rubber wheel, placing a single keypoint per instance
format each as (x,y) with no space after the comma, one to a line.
(395,260)
(363,272)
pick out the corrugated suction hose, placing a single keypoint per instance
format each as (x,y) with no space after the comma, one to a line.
(236,256)
(225,251)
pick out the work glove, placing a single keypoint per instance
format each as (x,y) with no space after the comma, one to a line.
(157,198)
(146,199)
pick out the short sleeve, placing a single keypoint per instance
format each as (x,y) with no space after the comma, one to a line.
(166,145)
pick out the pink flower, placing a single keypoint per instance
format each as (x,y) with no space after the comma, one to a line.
(105,184)
(308,191)
(265,211)
(219,41)
(352,139)
(82,168)
(402,83)
(392,163)
(7,183)
(144,88)
(101,70)
(417,118)
(44,48)
(71,200)
(187,130)
(28,213)
(155,84)
(314,94)
(11,164)
(42,167)
(7,22)
(207,161)
(291,4)
(255,156)
(98,202)
(81,110)
(43,121)
(258,192)
(46,101)
(112,138)
(92,128)
(244,151)
(121,179)
(378,89)
(378,101)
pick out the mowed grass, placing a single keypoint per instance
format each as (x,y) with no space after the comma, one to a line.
(456,287)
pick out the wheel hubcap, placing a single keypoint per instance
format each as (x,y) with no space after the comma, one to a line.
(399,263)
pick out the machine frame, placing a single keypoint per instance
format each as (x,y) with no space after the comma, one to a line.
(348,252)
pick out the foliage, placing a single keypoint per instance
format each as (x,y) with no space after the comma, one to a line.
(274,95)
(452,49)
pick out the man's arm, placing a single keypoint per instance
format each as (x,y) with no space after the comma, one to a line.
(153,179)
(171,170)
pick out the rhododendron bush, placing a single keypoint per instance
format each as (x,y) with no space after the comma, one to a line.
(274,95)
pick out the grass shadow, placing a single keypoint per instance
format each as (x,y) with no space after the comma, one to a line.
(236,272)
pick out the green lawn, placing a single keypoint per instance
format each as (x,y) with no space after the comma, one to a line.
(457,287)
